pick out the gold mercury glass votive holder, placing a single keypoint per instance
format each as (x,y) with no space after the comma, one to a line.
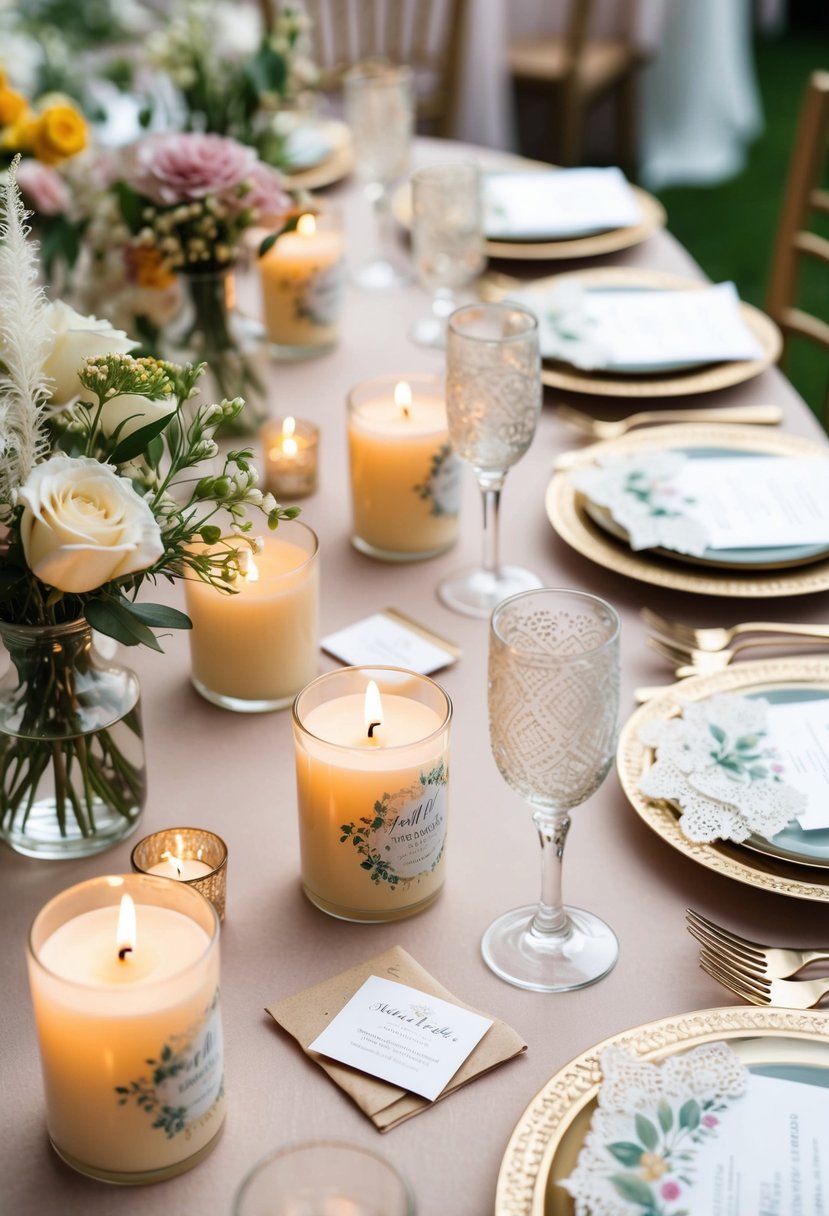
(193,856)
(290,448)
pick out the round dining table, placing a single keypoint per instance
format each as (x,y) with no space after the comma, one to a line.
(233,774)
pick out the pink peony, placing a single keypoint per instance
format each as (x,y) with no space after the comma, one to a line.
(267,193)
(182,168)
(670,1190)
(709,1120)
(43,188)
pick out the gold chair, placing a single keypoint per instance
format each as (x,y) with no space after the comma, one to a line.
(577,70)
(803,201)
(426,34)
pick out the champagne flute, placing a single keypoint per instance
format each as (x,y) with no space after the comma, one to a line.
(379,108)
(553,708)
(447,240)
(493,399)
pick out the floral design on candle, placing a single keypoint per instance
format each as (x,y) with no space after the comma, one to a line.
(405,477)
(302,277)
(372,771)
(290,448)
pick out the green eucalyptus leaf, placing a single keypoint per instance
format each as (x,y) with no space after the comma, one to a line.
(646,1132)
(272,237)
(689,1114)
(633,1189)
(159,615)
(137,442)
(625,1152)
(114,619)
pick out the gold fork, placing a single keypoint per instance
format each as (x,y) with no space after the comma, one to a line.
(748,957)
(689,661)
(598,428)
(788,994)
(718,638)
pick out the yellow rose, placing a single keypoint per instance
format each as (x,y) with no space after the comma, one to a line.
(20,135)
(61,132)
(12,106)
(148,269)
(83,525)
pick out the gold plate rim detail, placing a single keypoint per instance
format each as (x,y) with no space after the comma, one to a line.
(337,165)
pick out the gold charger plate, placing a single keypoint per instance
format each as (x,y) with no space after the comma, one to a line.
(337,165)
(706,378)
(749,866)
(567,514)
(547,1139)
(598,243)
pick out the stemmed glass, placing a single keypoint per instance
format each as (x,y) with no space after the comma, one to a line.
(447,240)
(379,108)
(493,399)
(553,707)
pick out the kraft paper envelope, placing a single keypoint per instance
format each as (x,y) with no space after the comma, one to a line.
(306,1014)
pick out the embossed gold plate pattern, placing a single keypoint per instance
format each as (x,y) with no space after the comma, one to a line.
(704,379)
(572,523)
(547,1138)
(755,869)
(598,243)
(337,165)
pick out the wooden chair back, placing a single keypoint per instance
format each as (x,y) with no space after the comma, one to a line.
(805,198)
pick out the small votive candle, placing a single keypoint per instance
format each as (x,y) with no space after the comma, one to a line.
(405,478)
(124,977)
(253,649)
(291,454)
(189,855)
(372,764)
(302,280)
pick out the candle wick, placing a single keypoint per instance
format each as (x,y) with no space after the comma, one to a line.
(371,727)
(123,952)
(406,413)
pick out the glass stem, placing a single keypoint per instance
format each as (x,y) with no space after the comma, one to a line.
(380,199)
(491,485)
(551,919)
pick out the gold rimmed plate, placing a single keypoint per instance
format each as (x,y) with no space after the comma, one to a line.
(332,168)
(589,246)
(768,865)
(699,378)
(548,1137)
(567,513)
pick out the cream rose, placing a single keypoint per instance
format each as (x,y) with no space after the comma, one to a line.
(134,412)
(77,338)
(83,525)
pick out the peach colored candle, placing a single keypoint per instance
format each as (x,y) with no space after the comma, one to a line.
(301,276)
(255,649)
(124,975)
(372,769)
(404,475)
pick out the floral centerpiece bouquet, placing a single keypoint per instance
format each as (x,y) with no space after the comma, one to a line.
(100,493)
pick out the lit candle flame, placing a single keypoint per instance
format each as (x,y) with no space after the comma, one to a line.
(374,709)
(125,933)
(175,862)
(306,225)
(403,397)
(247,566)
(289,445)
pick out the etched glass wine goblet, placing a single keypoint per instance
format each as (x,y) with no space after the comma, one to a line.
(447,240)
(379,108)
(493,399)
(553,709)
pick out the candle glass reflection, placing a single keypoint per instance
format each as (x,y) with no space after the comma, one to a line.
(129,1032)
(301,277)
(190,855)
(252,650)
(290,448)
(405,478)
(372,791)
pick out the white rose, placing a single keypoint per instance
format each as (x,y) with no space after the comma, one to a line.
(77,338)
(134,411)
(83,525)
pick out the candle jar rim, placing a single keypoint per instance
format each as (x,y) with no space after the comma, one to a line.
(310,555)
(128,884)
(433,379)
(147,841)
(390,749)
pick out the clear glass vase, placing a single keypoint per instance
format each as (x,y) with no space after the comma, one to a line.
(209,329)
(72,777)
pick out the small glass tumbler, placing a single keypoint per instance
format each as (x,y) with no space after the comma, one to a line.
(324,1178)
(254,648)
(290,450)
(405,478)
(372,768)
(302,277)
(189,855)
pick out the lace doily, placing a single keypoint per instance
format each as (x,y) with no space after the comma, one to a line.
(718,764)
(641,493)
(639,1152)
(565,331)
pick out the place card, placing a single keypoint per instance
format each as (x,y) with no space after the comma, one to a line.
(799,732)
(390,638)
(402,1035)
(561,203)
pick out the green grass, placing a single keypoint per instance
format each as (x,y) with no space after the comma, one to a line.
(729,229)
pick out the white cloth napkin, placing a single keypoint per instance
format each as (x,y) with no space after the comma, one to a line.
(557,204)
